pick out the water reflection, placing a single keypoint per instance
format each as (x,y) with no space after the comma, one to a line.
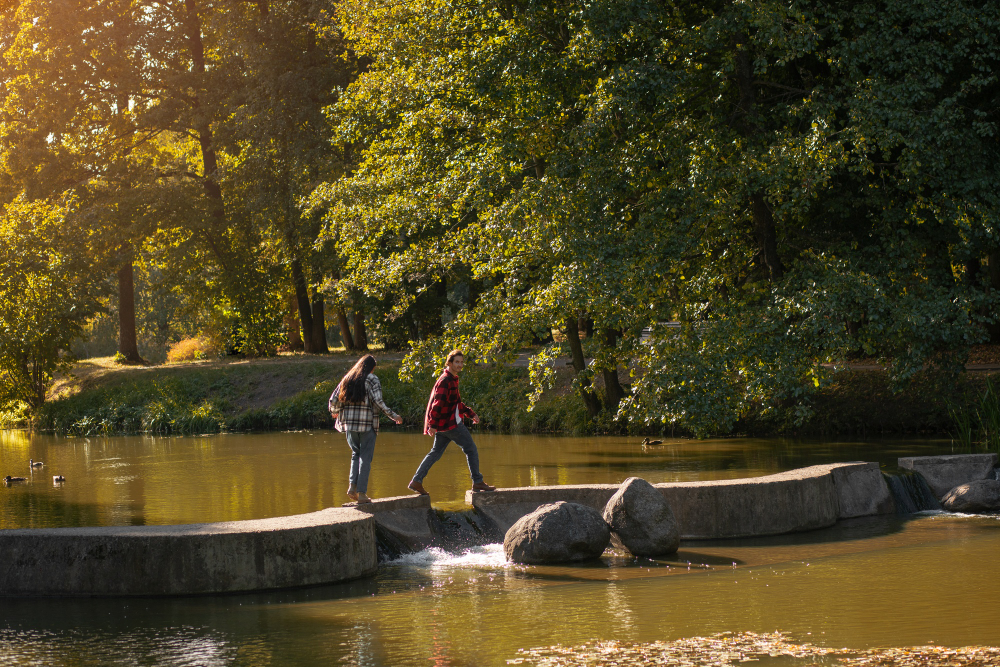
(852,586)
(155,481)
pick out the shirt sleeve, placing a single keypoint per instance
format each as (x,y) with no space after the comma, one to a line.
(374,387)
(334,405)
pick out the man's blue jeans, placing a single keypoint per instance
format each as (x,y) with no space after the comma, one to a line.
(460,436)
(362,444)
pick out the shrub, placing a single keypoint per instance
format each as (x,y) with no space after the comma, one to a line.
(192,349)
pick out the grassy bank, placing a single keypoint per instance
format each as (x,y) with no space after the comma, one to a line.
(281,394)
(291,392)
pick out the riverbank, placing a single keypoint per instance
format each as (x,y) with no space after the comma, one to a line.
(290,392)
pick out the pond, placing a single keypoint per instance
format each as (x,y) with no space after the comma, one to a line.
(875,582)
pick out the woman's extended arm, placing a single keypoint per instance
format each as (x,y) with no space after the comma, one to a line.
(374,388)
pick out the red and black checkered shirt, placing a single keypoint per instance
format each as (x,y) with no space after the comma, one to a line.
(441,407)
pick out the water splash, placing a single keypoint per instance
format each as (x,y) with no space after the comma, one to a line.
(489,556)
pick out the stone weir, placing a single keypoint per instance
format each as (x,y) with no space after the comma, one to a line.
(340,544)
(323,547)
(797,500)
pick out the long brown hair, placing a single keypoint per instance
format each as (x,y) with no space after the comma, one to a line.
(352,386)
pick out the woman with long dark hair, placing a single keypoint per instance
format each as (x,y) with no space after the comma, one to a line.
(353,404)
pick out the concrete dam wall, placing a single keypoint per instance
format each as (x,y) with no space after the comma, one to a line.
(340,544)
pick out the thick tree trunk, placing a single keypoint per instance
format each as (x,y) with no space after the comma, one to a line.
(209,157)
(318,333)
(767,240)
(302,303)
(345,329)
(746,121)
(360,334)
(127,343)
(292,324)
(612,387)
(993,270)
(590,399)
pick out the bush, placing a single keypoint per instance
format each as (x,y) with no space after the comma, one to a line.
(193,349)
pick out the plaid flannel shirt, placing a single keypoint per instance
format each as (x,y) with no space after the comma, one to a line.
(445,398)
(360,416)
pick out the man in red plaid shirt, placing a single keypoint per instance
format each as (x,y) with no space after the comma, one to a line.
(444,421)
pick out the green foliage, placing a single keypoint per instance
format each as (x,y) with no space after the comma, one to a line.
(47,293)
(796,183)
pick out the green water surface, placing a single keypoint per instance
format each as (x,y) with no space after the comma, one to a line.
(885,581)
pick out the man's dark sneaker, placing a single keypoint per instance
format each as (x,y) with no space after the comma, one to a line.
(417,487)
(482,486)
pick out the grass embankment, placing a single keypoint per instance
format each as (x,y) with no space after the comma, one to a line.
(276,394)
(291,392)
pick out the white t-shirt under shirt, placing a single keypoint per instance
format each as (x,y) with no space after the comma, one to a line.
(458,417)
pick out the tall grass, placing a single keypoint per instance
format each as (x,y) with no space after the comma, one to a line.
(977,427)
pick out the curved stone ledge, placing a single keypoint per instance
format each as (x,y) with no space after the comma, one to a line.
(323,547)
(803,499)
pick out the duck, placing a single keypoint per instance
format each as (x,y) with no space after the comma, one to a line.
(647,441)
(34,464)
(10,480)
(56,479)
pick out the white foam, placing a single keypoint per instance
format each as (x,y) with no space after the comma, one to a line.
(490,556)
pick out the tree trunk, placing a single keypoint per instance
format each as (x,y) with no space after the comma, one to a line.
(127,343)
(345,329)
(360,334)
(993,270)
(302,302)
(590,399)
(209,158)
(292,324)
(318,332)
(746,113)
(767,239)
(612,387)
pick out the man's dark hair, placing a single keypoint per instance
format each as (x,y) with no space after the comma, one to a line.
(453,354)
(352,387)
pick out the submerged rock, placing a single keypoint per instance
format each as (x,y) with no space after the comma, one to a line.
(641,520)
(982,495)
(557,533)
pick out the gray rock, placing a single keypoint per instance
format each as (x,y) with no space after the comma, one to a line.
(641,520)
(982,495)
(557,533)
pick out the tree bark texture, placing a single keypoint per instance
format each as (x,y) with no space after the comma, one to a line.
(302,303)
(127,343)
(612,387)
(360,333)
(345,328)
(292,324)
(764,230)
(590,399)
(318,332)
(993,271)
(209,157)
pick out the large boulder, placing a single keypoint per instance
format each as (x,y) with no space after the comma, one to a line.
(641,521)
(557,533)
(982,495)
